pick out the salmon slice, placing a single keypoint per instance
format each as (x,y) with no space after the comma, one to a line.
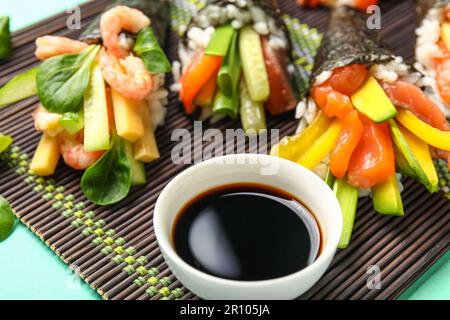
(373,160)
(408,96)
(347,80)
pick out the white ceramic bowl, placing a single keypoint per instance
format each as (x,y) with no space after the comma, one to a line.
(248,168)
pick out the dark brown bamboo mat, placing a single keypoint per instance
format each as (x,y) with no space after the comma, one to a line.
(114,247)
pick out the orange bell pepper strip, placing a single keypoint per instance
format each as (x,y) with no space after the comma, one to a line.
(351,132)
(373,160)
(196,76)
(206,95)
(364,4)
(336,104)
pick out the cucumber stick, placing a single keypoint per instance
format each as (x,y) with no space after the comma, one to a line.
(348,199)
(138,176)
(253,64)
(253,115)
(329,178)
(96,125)
(220,41)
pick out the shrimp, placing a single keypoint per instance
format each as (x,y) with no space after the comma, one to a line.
(74,155)
(127,76)
(50,46)
(114,20)
(47,122)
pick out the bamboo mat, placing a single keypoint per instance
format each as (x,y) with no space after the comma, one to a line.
(114,248)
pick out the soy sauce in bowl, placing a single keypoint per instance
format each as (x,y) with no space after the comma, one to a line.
(247,232)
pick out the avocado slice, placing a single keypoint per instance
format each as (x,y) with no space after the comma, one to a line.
(138,176)
(387,199)
(409,147)
(402,164)
(372,101)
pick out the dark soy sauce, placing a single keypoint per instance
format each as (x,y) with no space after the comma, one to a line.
(247,232)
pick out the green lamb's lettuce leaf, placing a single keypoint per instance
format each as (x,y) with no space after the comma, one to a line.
(5,141)
(7,219)
(149,50)
(63,80)
(19,87)
(72,122)
(109,180)
(5,38)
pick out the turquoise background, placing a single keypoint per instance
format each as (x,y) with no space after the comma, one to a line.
(30,270)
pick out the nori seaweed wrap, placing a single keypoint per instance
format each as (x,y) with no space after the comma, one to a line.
(253,41)
(348,41)
(157,10)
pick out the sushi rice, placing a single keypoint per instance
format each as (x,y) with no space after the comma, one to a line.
(427,48)
(240,13)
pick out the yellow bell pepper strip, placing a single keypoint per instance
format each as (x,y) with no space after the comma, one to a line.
(422,154)
(195,78)
(293,147)
(435,137)
(321,147)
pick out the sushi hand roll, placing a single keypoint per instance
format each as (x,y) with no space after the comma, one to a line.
(234,60)
(101,98)
(358,4)
(369,118)
(433,48)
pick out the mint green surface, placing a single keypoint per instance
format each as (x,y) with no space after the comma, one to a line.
(26,12)
(30,270)
(434,284)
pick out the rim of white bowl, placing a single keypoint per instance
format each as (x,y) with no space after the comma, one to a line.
(165,243)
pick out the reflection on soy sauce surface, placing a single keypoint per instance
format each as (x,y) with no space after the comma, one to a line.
(247,232)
